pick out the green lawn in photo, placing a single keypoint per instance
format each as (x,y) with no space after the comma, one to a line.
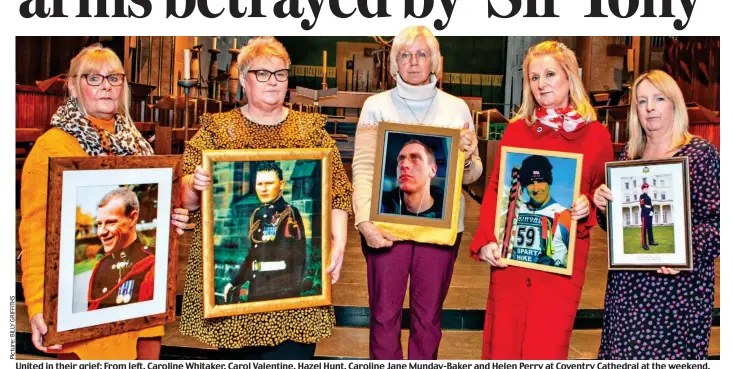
(86,265)
(664,235)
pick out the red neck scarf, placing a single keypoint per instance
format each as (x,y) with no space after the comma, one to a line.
(566,119)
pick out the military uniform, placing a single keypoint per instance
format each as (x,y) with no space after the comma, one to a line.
(646,219)
(123,276)
(276,261)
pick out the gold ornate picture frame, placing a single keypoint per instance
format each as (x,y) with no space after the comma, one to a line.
(266,230)
(536,189)
(417,162)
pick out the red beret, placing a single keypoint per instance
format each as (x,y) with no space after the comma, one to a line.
(644,185)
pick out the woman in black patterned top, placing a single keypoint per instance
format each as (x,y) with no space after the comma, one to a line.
(667,314)
(264,123)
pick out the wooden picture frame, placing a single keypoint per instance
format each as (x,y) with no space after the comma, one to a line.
(542,235)
(661,187)
(444,161)
(243,222)
(75,309)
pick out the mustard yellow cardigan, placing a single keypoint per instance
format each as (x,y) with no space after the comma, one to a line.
(32,237)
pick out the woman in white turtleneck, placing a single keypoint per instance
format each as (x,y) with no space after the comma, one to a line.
(415,60)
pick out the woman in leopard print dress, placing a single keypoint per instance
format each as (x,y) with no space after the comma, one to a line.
(264,123)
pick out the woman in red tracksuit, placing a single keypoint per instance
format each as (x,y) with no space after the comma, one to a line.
(530,313)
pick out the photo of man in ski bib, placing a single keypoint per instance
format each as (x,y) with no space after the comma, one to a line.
(542,231)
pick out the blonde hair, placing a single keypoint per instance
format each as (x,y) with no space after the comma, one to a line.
(680,126)
(93,59)
(567,59)
(406,38)
(261,47)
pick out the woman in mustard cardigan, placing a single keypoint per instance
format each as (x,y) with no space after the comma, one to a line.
(94,121)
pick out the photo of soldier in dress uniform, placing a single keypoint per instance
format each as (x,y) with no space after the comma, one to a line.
(414,176)
(646,206)
(267,242)
(115,246)
(647,212)
(278,247)
(534,217)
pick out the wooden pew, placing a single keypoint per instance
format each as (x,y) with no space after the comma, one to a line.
(34,108)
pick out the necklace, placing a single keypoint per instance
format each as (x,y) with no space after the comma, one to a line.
(419,208)
(412,111)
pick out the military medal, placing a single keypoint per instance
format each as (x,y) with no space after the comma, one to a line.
(124,294)
(270,232)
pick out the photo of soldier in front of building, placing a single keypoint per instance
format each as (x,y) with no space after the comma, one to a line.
(647,202)
(275,265)
(646,205)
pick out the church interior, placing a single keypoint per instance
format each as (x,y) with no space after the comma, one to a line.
(334,76)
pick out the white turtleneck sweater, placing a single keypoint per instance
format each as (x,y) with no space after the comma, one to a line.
(445,111)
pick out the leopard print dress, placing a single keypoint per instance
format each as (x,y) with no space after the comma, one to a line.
(230,131)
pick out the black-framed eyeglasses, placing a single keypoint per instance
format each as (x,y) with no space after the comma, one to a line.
(96,79)
(264,75)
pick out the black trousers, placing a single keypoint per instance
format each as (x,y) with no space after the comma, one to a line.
(647,231)
(287,350)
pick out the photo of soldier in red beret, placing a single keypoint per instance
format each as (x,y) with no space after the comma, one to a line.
(646,218)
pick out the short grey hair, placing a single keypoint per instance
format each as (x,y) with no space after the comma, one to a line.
(128,197)
(406,38)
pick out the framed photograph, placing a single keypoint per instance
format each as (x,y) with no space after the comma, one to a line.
(418,173)
(536,189)
(648,221)
(111,252)
(266,230)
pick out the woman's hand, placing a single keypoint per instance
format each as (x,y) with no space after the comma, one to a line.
(339,235)
(375,237)
(491,254)
(667,271)
(602,196)
(180,220)
(38,329)
(580,208)
(200,180)
(193,184)
(338,247)
(468,140)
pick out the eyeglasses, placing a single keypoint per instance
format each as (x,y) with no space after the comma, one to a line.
(95,79)
(264,75)
(407,56)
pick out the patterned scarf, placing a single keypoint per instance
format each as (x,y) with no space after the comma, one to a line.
(566,119)
(96,141)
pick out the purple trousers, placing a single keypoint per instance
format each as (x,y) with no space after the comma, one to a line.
(388,270)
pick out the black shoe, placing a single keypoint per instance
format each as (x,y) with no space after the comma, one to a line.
(653,243)
(645,247)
